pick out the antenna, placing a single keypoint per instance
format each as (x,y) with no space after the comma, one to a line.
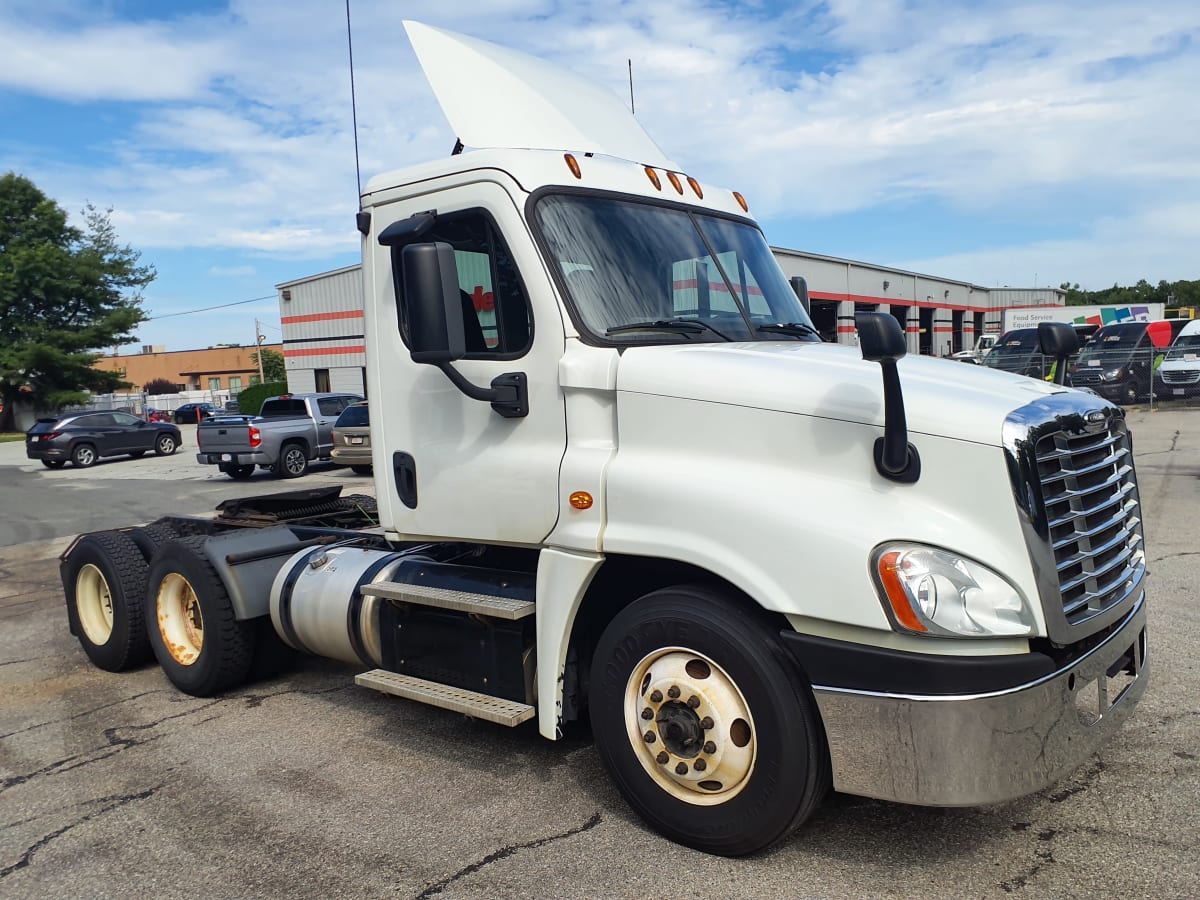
(630,61)
(353,110)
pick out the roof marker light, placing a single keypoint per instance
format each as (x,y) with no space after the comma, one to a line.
(674,179)
(653,176)
(695,186)
(573,165)
(741,201)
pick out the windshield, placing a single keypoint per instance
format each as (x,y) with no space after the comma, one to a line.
(697,277)
(1112,342)
(1012,346)
(1186,345)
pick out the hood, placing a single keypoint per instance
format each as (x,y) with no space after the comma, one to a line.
(495,97)
(941,397)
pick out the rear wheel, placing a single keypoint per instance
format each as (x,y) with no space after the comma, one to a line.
(705,723)
(54,463)
(165,445)
(292,461)
(194,633)
(362,470)
(105,581)
(150,537)
(83,455)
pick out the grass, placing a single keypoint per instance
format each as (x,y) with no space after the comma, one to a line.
(6,436)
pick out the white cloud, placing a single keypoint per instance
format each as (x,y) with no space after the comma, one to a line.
(233,271)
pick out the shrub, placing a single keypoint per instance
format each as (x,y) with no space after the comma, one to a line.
(157,386)
(250,400)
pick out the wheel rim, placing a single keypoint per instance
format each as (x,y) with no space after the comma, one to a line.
(93,601)
(690,726)
(85,456)
(180,621)
(294,461)
(165,444)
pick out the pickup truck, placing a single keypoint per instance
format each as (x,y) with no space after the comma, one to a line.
(290,431)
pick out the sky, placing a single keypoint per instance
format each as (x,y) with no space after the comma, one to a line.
(1021,144)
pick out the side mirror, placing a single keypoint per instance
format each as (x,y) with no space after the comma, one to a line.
(1060,341)
(432,304)
(800,286)
(881,340)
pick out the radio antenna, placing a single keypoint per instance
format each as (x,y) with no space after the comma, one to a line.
(630,61)
(353,109)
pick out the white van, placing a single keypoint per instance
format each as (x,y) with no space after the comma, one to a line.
(1178,375)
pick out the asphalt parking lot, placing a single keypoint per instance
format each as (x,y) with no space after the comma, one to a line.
(118,785)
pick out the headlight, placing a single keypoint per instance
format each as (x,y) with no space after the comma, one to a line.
(935,592)
(1112,374)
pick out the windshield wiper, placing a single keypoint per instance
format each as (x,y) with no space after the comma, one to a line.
(682,325)
(792,328)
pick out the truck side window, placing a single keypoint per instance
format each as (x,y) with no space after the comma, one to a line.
(495,306)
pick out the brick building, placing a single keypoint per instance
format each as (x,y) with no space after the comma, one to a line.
(214,369)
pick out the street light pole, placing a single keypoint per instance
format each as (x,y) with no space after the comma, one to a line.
(259,337)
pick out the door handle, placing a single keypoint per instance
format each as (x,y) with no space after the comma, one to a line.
(405,468)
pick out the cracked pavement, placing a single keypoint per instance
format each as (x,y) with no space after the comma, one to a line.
(305,786)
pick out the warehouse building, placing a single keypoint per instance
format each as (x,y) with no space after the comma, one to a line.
(324,341)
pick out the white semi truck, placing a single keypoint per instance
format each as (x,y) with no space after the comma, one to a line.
(642,491)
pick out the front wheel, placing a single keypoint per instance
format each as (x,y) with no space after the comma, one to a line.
(165,445)
(705,723)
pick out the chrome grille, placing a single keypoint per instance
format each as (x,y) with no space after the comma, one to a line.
(1092,517)
(1179,376)
(1070,458)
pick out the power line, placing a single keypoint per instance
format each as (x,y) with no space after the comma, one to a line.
(188,312)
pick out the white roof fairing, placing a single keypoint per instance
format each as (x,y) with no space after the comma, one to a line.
(495,97)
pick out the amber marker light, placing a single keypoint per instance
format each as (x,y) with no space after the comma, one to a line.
(741,201)
(581,500)
(695,186)
(675,183)
(889,567)
(653,176)
(573,165)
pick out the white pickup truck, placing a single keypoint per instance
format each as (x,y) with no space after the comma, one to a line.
(641,490)
(290,431)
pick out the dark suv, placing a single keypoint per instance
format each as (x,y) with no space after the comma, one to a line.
(82,438)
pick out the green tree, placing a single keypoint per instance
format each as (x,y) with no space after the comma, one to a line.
(272,364)
(65,293)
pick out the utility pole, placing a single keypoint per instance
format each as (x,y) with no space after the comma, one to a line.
(259,337)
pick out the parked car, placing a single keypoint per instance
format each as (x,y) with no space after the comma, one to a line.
(194,412)
(352,438)
(82,438)
(292,430)
(158,415)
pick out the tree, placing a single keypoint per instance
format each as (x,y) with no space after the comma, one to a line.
(65,293)
(272,364)
(160,386)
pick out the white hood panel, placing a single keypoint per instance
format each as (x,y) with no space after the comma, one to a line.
(941,397)
(495,97)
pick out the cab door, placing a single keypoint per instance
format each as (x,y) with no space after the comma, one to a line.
(454,467)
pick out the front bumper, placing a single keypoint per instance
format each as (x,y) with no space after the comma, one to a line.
(233,459)
(985,747)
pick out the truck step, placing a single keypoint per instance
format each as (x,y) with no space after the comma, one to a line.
(470,703)
(444,598)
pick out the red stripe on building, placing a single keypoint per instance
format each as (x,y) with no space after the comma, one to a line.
(323,317)
(897,301)
(325,351)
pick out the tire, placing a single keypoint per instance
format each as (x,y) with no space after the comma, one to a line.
(105,582)
(292,461)
(150,537)
(54,463)
(362,470)
(238,473)
(165,444)
(83,456)
(765,762)
(200,644)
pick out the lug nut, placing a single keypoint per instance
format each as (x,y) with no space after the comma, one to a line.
(656,697)
(673,693)
(650,737)
(681,769)
(663,758)
(706,723)
(700,765)
(647,714)
(693,701)
(710,747)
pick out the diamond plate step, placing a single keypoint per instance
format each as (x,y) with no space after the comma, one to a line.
(470,703)
(444,598)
